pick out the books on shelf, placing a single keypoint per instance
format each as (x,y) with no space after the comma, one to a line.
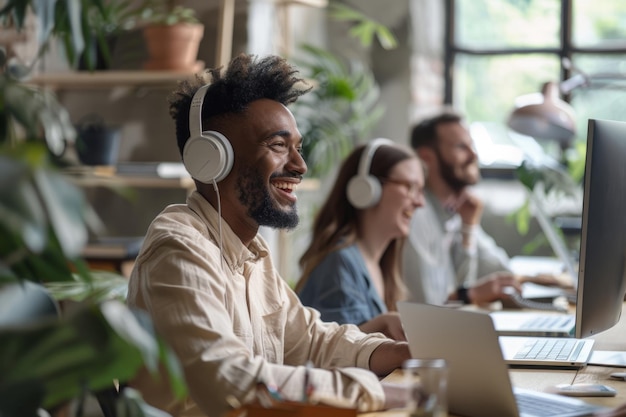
(122,247)
(158,169)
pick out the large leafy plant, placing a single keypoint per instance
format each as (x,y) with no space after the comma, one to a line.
(81,25)
(339,112)
(343,106)
(44,222)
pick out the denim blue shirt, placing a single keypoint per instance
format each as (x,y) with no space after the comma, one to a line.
(341,288)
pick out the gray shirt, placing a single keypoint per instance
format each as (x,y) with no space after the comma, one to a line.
(434,259)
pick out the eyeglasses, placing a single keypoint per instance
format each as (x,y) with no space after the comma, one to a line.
(413,188)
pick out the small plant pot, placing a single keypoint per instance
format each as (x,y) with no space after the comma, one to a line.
(173,47)
(97,144)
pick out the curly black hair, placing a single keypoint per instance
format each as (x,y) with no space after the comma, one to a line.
(246,79)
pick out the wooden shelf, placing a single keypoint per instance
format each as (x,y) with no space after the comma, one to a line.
(105,176)
(311,3)
(110,79)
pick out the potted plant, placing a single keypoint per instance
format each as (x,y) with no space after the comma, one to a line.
(343,108)
(48,361)
(339,112)
(105,26)
(172,33)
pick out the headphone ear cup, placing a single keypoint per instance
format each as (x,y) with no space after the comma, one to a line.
(208,157)
(364,191)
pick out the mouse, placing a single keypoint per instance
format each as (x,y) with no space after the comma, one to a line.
(619,375)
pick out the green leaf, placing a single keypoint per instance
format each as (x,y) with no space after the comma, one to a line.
(74,12)
(20,209)
(65,205)
(101,286)
(364,28)
(387,40)
(363,32)
(21,399)
(45,11)
(91,348)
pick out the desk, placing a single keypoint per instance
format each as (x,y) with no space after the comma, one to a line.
(540,379)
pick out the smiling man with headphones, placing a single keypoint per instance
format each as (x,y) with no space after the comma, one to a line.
(206,277)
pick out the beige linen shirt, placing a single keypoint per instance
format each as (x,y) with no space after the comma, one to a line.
(233,321)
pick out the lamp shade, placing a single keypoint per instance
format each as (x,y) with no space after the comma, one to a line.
(544,116)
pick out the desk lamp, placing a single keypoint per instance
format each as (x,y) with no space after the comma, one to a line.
(544,115)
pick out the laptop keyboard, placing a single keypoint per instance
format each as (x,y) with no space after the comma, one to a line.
(548,321)
(550,349)
(543,407)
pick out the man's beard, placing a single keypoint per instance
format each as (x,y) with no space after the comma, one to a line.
(254,195)
(449,175)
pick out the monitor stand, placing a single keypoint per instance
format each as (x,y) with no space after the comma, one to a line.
(614,358)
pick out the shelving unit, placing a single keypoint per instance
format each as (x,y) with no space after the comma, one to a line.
(109,79)
(132,83)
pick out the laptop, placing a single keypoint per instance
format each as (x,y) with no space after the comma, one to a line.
(479,383)
(536,324)
(541,324)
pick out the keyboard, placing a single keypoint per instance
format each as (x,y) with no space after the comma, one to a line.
(551,349)
(549,321)
(544,407)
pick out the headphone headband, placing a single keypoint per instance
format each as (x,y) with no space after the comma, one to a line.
(207,155)
(195,112)
(368,154)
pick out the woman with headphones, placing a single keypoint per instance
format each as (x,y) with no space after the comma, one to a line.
(351,269)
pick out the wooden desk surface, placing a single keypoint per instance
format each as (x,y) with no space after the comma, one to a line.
(541,379)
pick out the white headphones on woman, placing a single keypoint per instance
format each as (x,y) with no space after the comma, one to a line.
(208,156)
(363,189)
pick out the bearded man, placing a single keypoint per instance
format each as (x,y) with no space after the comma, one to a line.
(206,278)
(448,256)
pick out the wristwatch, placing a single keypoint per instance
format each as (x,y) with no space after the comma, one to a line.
(462,294)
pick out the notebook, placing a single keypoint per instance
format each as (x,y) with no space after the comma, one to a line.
(479,383)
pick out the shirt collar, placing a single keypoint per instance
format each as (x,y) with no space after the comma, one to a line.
(443,214)
(234,252)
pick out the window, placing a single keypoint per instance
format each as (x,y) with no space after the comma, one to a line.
(497,50)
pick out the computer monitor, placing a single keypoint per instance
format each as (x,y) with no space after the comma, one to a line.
(601,280)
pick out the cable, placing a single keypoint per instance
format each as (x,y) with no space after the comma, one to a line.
(219,220)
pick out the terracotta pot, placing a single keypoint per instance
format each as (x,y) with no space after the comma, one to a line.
(173,47)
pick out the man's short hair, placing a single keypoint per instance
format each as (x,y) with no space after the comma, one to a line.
(246,79)
(425,132)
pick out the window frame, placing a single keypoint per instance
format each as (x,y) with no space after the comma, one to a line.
(566,49)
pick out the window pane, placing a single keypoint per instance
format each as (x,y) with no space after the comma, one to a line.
(508,23)
(601,66)
(599,23)
(605,95)
(485,88)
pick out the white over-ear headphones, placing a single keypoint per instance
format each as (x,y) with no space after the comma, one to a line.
(364,190)
(208,156)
